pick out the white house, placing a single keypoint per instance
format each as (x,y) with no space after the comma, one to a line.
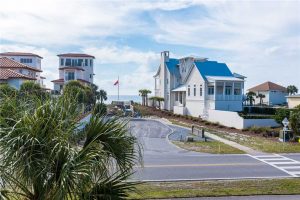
(29,59)
(74,66)
(193,86)
(15,73)
(274,94)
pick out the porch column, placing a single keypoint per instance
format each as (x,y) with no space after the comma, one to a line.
(215,90)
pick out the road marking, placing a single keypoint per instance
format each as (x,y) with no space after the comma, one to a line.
(276,160)
(200,165)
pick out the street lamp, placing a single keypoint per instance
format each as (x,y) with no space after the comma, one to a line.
(285,123)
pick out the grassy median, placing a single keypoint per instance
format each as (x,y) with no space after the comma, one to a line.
(216,188)
(213,147)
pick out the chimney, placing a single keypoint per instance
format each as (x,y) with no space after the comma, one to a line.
(165,56)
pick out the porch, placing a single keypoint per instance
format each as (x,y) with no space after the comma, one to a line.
(179,95)
(230,89)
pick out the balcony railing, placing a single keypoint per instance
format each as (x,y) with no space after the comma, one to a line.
(225,97)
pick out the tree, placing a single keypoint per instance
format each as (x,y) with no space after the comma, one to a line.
(261,96)
(144,94)
(157,99)
(291,89)
(295,122)
(102,96)
(31,89)
(41,159)
(250,97)
(6,90)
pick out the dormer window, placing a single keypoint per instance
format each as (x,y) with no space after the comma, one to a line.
(61,62)
(86,62)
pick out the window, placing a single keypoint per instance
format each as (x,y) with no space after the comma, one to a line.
(61,62)
(91,63)
(228,90)
(189,91)
(201,91)
(167,81)
(86,62)
(211,90)
(26,60)
(91,76)
(68,62)
(70,76)
(194,90)
(80,62)
(237,91)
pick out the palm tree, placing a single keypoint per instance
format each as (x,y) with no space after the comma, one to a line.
(291,89)
(250,97)
(102,96)
(261,96)
(144,94)
(44,154)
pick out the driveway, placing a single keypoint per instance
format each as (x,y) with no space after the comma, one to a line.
(164,161)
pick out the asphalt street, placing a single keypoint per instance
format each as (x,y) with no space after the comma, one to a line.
(163,161)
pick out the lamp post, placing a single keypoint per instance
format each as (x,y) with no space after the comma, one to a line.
(285,123)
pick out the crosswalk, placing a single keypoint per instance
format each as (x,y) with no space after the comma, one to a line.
(288,165)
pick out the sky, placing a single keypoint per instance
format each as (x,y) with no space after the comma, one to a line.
(258,39)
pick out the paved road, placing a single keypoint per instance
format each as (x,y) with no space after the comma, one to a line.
(164,161)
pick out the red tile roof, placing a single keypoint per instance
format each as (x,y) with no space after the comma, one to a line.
(8,74)
(61,80)
(11,64)
(19,54)
(267,86)
(75,55)
(78,68)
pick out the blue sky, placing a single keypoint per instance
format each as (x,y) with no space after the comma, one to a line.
(259,39)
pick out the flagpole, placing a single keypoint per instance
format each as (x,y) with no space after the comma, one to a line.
(118,88)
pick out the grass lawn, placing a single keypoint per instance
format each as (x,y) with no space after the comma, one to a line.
(260,143)
(216,188)
(252,141)
(214,147)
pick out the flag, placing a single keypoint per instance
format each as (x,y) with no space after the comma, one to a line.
(117,82)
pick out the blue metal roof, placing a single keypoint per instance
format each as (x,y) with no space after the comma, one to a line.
(213,68)
(172,66)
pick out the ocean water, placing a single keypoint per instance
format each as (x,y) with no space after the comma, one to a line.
(135,98)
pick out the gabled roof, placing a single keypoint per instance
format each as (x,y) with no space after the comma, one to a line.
(8,74)
(11,64)
(213,68)
(19,54)
(75,55)
(267,86)
(172,66)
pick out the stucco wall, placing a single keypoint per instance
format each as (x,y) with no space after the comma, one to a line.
(293,102)
(232,119)
(229,105)
(277,97)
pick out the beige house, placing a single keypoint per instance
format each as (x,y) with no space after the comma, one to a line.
(293,100)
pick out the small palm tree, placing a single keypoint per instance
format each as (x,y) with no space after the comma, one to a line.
(144,94)
(261,96)
(45,154)
(291,89)
(250,97)
(102,96)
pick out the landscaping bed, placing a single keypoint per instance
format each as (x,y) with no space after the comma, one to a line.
(185,189)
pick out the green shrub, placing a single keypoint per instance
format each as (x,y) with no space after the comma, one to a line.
(100,109)
(282,113)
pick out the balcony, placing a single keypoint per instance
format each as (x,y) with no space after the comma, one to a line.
(225,97)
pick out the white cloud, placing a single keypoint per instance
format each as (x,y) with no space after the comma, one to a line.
(144,67)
